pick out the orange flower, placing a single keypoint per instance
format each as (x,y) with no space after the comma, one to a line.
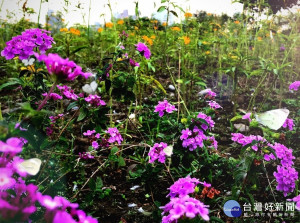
(154,21)
(186,40)
(63,30)
(120,22)
(259,38)
(175,28)
(100,30)
(75,31)
(207,52)
(155,27)
(136,28)
(164,24)
(109,25)
(188,15)
(237,22)
(148,40)
(153,37)
(215,29)
(209,14)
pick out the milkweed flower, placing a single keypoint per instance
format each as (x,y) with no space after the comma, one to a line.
(23,45)
(295,85)
(115,135)
(63,68)
(164,106)
(143,49)
(157,153)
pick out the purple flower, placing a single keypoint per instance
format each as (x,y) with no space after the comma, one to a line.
(295,85)
(133,63)
(95,145)
(297,200)
(208,119)
(89,133)
(288,123)
(214,105)
(62,68)
(67,92)
(86,155)
(284,154)
(164,106)
(53,96)
(247,116)
(245,140)
(282,48)
(6,180)
(18,126)
(94,100)
(183,186)
(115,136)
(13,145)
(286,178)
(24,44)
(143,49)
(157,153)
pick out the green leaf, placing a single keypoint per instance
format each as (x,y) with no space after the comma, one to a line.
(161,9)
(236,118)
(78,49)
(114,150)
(13,81)
(72,105)
(121,161)
(82,114)
(216,219)
(174,13)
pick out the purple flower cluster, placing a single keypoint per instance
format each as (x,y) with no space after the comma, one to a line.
(295,85)
(286,178)
(297,200)
(157,153)
(284,154)
(85,155)
(164,106)
(208,119)
(93,136)
(18,204)
(288,123)
(144,50)
(53,96)
(133,63)
(211,94)
(192,139)
(115,136)
(24,44)
(67,92)
(214,105)
(62,68)
(94,100)
(245,140)
(181,204)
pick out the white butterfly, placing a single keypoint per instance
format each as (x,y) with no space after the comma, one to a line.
(273,119)
(31,166)
(90,88)
(28,62)
(168,150)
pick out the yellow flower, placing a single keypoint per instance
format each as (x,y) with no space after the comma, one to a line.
(237,22)
(154,21)
(63,30)
(100,30)
(267,35)
(188,15)
(186,40)
(120,22)
(62,20)
(175,28)
(215,29)
(205,43)
(153,37)
(155,27)
(164,24)
(259,38)
(75,31)
(207,52)
(184,120)
(234,57)
(209,14)
(136,28)
(109,25)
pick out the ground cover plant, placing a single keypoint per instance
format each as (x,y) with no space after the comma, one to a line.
(144,121)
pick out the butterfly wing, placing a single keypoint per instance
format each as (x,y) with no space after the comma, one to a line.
(31,166)
(273,119)
(168,150)
(94,85)
(87,89)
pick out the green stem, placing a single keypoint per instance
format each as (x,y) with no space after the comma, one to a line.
(38,22)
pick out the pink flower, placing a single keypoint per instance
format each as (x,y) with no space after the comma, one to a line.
(67,92)
(143,49)
(247,116)
(295,85)
(95,145)
(53,96)
(157,152)
(297,200)
(94,100)
(288,123)
(6,181)
(214,105)
(62,68)
(89,132)
(115,136)
(12,145)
